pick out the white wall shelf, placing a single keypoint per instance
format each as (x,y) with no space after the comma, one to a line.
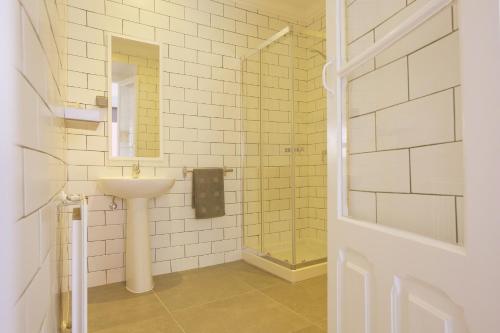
(90,115)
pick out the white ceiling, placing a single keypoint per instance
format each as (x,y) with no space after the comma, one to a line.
(298,9)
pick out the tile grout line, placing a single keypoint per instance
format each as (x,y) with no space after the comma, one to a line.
(214,301)
(290,310)
(415,193)
(252,289)
(382,109)
(168,311)
(404,148)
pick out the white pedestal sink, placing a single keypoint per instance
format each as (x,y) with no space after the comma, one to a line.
(137,191)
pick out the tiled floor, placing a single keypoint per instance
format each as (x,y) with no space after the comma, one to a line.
(229,298)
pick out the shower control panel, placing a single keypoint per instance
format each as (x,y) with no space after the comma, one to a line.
(295,149)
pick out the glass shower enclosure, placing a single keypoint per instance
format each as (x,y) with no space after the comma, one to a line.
(284,149)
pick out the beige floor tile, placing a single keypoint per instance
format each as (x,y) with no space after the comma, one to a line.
(323,324)
(311,329)
(113,306)
(197,287)
(162,324)
(252,312)
(216,299)
(307,298)
(252,275)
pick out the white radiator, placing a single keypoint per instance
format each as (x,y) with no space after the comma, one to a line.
(79,270)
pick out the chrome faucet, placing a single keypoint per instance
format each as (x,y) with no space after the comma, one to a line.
(136,170)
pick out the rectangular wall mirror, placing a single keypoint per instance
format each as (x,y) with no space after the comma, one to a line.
(134,108)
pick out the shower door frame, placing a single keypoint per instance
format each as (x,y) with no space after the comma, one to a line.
(276,37)
(290,265)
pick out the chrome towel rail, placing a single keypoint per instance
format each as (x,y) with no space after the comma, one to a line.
(185,171)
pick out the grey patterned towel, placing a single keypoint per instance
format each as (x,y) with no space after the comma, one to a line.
(208,192)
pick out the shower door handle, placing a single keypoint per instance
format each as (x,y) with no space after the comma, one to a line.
(323,76)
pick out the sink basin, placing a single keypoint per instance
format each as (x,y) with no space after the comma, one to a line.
(130,188)
(137,191)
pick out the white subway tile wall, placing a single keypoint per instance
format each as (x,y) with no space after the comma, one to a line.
(251,150)
(311,169)
(405,166)
(41,81)
(202,42)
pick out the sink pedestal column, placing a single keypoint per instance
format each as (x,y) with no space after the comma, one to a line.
(138,273)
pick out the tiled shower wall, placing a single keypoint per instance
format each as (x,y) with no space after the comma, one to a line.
(313,107)
(250,151)
(40,80)
(201,44)
(405,136)
(276,138)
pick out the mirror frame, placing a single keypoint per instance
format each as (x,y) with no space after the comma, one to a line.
(109,69)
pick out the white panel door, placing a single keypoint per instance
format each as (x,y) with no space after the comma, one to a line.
(384,279)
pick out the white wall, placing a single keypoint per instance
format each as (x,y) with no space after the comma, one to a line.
(202,42)
(40,140)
